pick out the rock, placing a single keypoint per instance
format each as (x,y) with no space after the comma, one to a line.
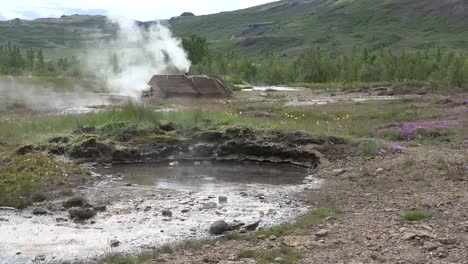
(233,257)
(59,140)
(91,150)
(243,194)
(60,219)
(209,205)
(76,201)
(174,163)
(38,197)
(166,213)
(272,237)
(295,241)
(39,211)
(322,233)
(431,246)
(80,214)
(168,127)
(203,150)
(235,226)
(251,227)
(211,136)
(219,228)
(40,258)
(25,150)
(222,199)
(100,208)
(197,163)
(448,241)
(379,170)
(114,243)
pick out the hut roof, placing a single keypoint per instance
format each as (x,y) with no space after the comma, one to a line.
(197,85)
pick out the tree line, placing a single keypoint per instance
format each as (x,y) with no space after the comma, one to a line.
(314,66)
(18,61)
(319,66)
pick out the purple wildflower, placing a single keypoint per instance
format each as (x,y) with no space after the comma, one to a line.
(383,152)
(399,149)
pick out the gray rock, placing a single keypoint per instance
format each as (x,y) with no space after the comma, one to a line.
(219,228)
(39,211)
(222,199)
(75,202)
(251,227)
(210,205)
(80,214)
(322,233)
(166,213)
(114,243)
(430,246)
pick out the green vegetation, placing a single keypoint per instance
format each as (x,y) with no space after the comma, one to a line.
(342,119)
(317,66)
(416,215)
(15,61)
(285,28)
(371,147)
(22,176)
(283,255)
(305,222)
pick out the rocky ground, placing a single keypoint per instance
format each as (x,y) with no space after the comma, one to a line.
(376,197)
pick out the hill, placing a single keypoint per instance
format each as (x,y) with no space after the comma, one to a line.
(286,27)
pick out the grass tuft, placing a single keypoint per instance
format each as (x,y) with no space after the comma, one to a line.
(416,215)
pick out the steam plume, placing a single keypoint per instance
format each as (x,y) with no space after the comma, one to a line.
(136,54)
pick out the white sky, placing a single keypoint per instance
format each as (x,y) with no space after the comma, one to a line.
(143,10)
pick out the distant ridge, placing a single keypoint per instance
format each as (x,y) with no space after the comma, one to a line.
(285,27)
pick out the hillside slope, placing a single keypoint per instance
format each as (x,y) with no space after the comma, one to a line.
(285,27)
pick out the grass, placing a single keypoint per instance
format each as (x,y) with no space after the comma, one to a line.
(341,119)
(283,255)
(371,147)
(416,215)
(22,176)
(305,222)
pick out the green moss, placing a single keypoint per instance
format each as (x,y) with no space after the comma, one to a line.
(416,215)
(282,255)
(23,175)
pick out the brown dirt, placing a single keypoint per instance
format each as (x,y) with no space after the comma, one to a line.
(374,195)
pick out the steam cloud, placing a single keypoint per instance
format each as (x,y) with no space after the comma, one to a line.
(136,54)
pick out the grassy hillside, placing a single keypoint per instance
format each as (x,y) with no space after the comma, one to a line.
(286,27)
(292,26)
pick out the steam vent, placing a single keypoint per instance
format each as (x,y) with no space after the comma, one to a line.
(167,86)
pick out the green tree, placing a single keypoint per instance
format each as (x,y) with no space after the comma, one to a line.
(196,47)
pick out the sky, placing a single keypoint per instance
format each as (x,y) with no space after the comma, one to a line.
(143,10)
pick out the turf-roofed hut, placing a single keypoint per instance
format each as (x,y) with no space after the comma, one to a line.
(167,86)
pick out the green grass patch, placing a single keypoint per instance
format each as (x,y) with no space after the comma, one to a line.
(282,255)
(416,215)
(21,176)
(371,147)
(305,222)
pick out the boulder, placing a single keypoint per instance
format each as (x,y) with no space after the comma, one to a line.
(76,201)
(219,228)
(39,211)
(80,214)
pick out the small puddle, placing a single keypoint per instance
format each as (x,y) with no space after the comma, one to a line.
(136,195)
(206,177)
